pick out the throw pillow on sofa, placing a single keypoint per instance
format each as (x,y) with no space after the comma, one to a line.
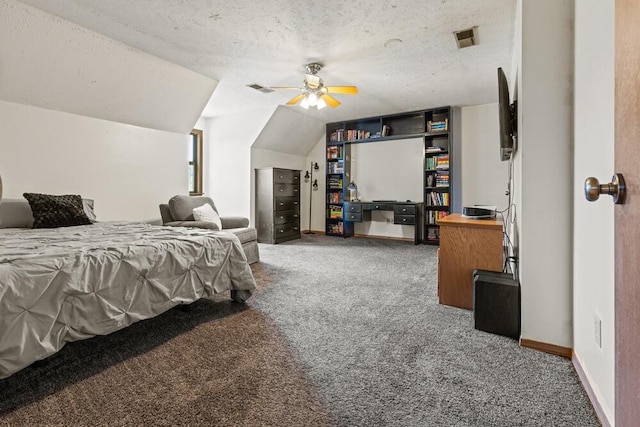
(206,213)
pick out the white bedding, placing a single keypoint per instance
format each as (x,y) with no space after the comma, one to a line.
(66,284)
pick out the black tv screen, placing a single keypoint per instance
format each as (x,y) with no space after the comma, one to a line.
(506,117)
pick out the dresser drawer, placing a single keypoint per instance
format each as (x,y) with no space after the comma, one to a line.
(404,209)
(287,203)
(286,230)
(353,207)
(286,176)
(404,219)
(285,190)
(284,217)
(353,217)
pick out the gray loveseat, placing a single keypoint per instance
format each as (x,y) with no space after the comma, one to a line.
(179,213)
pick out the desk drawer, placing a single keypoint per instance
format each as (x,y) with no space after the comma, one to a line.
(285,190)
(353,207)
(286,203)
(353,217)
(284,217)
(404,219)
(286,176)
(404,209)
(376,207)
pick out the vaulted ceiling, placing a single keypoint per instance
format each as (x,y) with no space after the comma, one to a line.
(401,54)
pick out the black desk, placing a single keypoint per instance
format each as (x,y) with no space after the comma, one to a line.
(404,213)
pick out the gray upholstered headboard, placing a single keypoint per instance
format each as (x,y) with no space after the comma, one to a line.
(15,213)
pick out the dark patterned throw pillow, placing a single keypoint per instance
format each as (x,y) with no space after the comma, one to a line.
(51,211)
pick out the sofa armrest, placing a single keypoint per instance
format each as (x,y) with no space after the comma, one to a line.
(196,224)
(234,222)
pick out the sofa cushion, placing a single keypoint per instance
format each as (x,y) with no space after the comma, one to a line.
(244,234)
(181,207)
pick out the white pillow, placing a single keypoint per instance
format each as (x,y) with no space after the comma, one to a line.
(207,214)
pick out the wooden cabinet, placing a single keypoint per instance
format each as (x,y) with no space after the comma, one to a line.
(277,205)
(466,245)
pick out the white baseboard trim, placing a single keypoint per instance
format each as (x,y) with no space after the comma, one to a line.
(587,387)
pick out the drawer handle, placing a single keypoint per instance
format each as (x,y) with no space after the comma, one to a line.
(281,217)
(282,189)
(281,203)
(404,210)
(281,176)
(282,231)
(404,219)
(376,206)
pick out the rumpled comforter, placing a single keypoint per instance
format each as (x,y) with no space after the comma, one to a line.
(67,284)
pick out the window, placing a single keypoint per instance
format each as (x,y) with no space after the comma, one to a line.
(195,162)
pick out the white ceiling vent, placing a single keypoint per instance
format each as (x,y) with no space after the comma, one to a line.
(466,38)
(260,88)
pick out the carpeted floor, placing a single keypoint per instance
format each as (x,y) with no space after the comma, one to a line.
(341,332)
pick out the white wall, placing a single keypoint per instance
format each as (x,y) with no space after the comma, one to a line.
(485,177)
(387,170)
(229,139)
(127,170)
(545,163)
(593,237)
(52,63)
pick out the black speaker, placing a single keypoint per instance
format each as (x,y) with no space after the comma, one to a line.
(496,303)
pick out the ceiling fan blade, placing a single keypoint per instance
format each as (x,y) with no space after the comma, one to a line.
(330,100)
(313,80)
(349,90)
(296,99)
(284,87)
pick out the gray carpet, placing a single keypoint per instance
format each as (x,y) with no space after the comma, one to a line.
(362,318)
(341,332)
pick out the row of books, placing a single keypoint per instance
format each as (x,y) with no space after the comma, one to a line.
(350,134)
(438,179)
(335,212)
(437,162)
(433,233)
(334,197)
(437,125)
(335,167)
(335,182)
(334,152)
(337,228)
(432,216)
(437,199)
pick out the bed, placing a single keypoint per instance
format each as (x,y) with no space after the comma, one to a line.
(59,285)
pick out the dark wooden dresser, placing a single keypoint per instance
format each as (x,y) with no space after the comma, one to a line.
(277,205)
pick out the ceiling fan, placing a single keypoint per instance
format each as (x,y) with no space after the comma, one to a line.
(315,93)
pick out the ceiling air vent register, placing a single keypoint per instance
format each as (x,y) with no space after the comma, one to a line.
(467,38)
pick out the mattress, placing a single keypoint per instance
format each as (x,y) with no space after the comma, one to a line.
(67,284)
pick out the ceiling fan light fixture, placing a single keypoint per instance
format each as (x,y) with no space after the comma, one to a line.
(305,102)
(321,104)
(312,98)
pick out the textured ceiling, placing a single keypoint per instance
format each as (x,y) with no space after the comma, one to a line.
(269,42)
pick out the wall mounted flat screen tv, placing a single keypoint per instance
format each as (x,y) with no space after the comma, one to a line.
(507,115)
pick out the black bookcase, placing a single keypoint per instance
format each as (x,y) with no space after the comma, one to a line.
(440,130)
(338,171)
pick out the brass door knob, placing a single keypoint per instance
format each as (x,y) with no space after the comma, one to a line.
(616,188)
